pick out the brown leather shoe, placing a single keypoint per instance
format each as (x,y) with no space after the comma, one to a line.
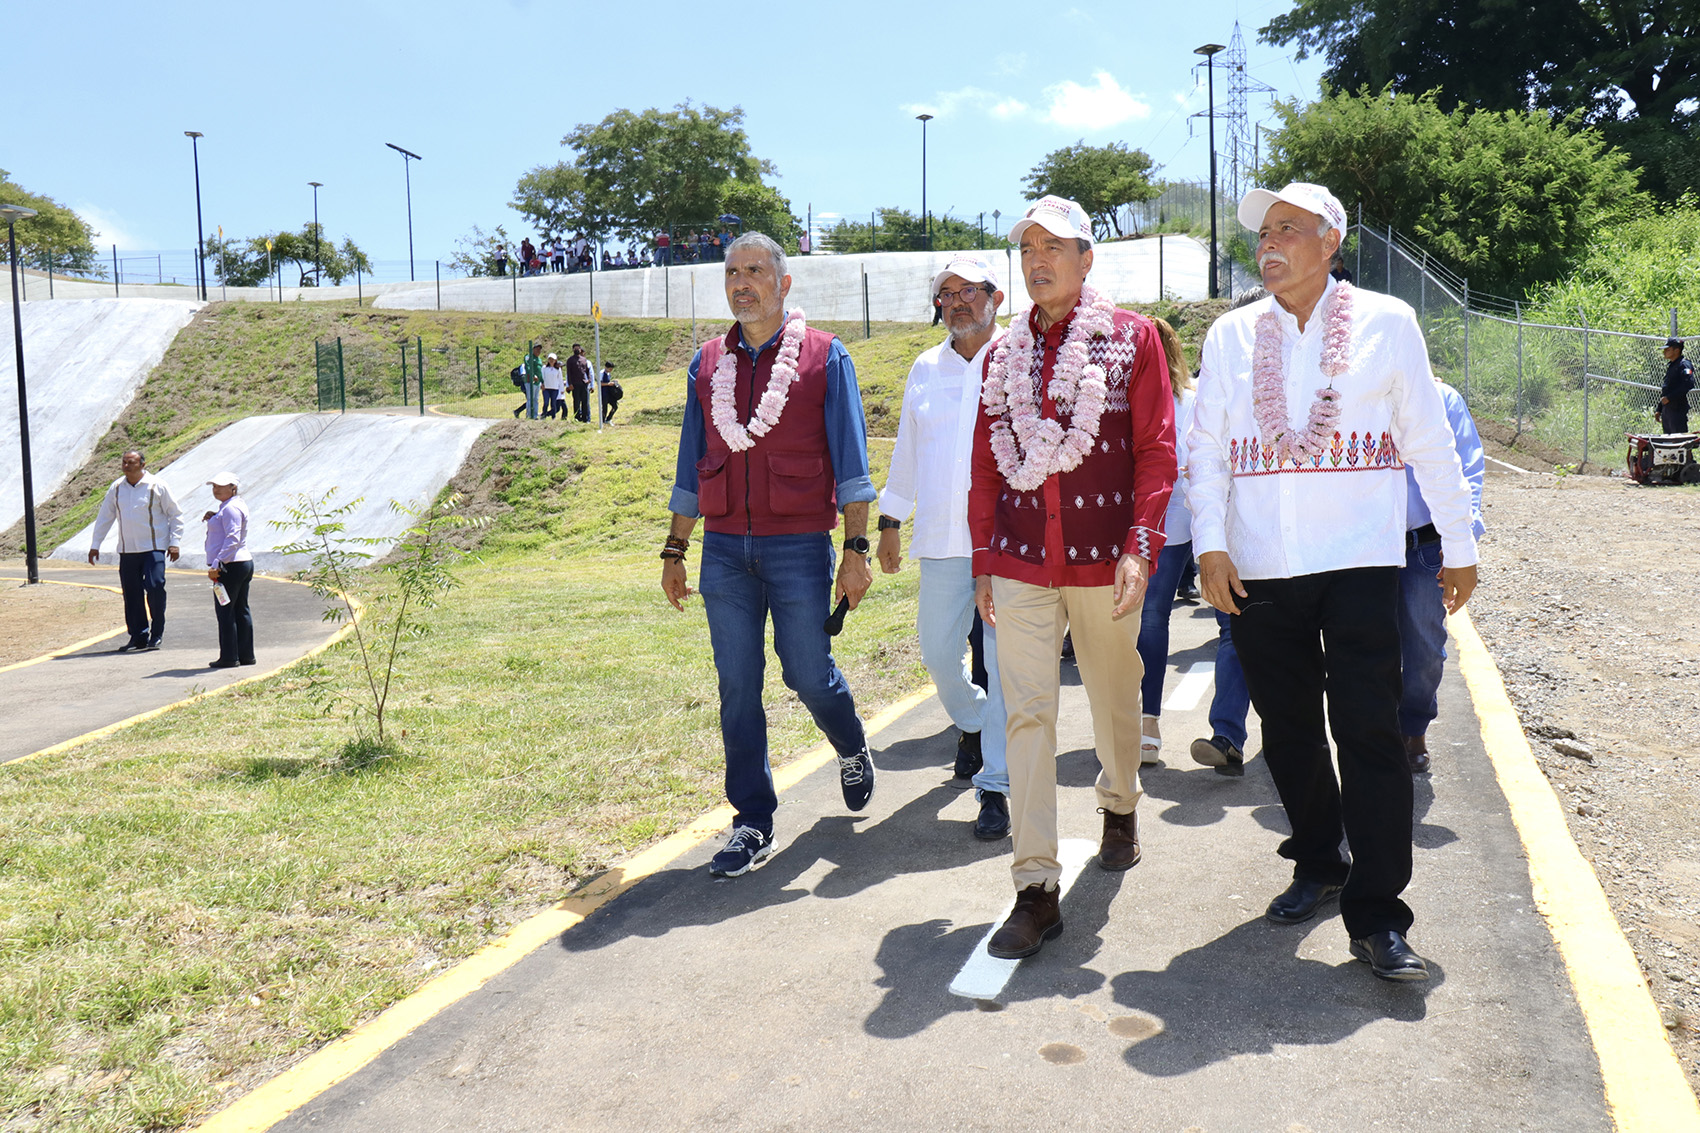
(1035,919)
(1416,754)
(1119,849)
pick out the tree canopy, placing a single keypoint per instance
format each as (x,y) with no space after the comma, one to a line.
(1510,198)
(633,173)
(56,237)
(1629,67)
(243,262)
(1101,179)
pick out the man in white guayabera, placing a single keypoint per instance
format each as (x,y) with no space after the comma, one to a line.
(1074,461)
(773,447)
(1311,404)
(929,477)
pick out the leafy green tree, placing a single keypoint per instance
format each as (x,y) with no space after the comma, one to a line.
(477,252)
(1630,67)
(1632,275)
(55,237)
(244,263)
(763,209)
(1101,179)
(900,230)
(1509,198)
(646,171)
(552,198)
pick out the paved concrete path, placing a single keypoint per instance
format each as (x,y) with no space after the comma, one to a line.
(52,701)
(814,993)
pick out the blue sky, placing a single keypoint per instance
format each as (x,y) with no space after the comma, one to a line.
(311,91)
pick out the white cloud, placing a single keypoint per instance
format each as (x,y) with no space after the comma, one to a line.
(1010,63)
(947,103)
(110,229)
(1097,107)
(1009,108)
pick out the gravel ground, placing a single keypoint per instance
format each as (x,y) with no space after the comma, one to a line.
(1588,602)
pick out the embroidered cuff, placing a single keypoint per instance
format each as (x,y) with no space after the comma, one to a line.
(1143,542)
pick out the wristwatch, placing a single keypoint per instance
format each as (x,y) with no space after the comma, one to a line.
(889,524)
(857,543)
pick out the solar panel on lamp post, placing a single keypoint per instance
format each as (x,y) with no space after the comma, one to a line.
(11,214)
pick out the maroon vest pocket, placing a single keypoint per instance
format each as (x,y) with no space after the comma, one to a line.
(713,496)
(797,483)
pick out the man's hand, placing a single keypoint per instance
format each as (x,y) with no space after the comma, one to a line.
(171,553)
(854,578)
(1132,573)
(94,554)
(983,599)
(1219,581)
(212,573)
(890,551)
(1456,586)
(674,584)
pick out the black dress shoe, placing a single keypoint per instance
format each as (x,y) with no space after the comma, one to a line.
(968,760)
(993,822)
(1300,902)
(221,664)
(1220,753)
(1389,957)
(132,646)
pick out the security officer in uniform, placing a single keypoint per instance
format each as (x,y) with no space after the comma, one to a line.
(1673,398)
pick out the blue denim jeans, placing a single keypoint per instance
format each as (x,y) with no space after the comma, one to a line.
(1231,701)
(1422,639)
(744,579)
(945,614)
(532,390)
(1160,592)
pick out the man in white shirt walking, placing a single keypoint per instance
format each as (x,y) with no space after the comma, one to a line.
(1311,405)
(150,530)
(929,477)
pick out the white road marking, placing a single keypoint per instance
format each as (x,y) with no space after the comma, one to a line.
(1191,688)
(983,975)
(1508,467)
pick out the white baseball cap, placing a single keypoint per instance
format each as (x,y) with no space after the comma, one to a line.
(226,480)
(1056,215)
(1302,194)
(971,268)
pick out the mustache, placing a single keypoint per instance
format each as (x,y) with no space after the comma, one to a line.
(1268,258)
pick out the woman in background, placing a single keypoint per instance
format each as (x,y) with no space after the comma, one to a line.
(231,565)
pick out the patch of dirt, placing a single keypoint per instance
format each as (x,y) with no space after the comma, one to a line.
(1587,601)
(39,619)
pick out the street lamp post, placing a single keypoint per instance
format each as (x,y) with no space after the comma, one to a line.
(926,220)
(1209,51)
(316,268)
(407,171)
(195,137)
(11,214)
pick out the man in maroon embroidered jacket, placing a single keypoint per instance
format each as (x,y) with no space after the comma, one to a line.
(1074,460)
(772,447)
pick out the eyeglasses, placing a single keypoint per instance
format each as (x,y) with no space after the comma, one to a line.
(967,294)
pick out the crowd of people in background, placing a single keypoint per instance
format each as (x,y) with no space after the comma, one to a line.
(554,255)
(546,378)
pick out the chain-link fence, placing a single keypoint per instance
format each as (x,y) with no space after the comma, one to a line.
(1576,390)
(410,372)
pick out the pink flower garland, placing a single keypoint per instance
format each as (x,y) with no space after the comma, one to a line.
(1029,447)
(723,388)
(1269,383)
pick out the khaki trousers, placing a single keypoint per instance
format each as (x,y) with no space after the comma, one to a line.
(1031,621)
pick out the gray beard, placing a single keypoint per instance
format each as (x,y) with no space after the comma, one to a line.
(978,326)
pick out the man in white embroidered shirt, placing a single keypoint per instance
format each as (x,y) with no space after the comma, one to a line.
(150,530)
(929,477)
(1311,404)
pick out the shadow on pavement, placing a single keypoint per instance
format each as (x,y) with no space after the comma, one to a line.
(1246,992)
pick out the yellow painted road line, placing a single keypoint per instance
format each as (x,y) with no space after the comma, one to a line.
(318,1072)
(77,741)
(1645,1087)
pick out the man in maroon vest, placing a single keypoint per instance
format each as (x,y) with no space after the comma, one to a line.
(1074,460)
(773,446)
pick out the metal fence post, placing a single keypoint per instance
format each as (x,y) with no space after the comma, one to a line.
(404,400)
(867,331)
(1389,259)
(359,292)
(693,279)
(1466,340)
(515,278)
(341,378)
(1359,273)
(873,233)
(1422,294)
(1519,369)
(115,294)
(439,264)
(419,342)
(478,368)
(1584,317)
(1159,267)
